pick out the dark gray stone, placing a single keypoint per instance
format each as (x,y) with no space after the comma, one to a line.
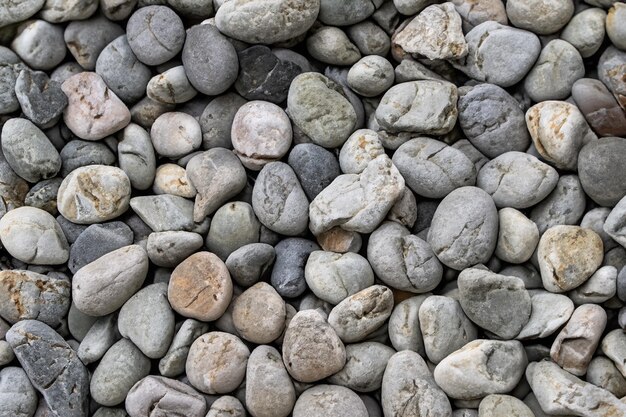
(80,153)
(41,99)
(43,195)
(288,273)
(87,38)
(602,170)
(98,240)
(314,166)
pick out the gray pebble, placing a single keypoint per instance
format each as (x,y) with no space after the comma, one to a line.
(601,172)
(100,337)
(156,395)
(600,108)
(602,372)
(66,70)
(33,236)
(412,70)
(145,112)
(600,287)
(173,363)
(492,120)
(119,370)
(217,119)
(107,412)
(332,46)
(585,31)
(168,249)
(98,240)
(269,389)
(365,365)
(87,38)
(79,153)
(288,277)
(40,98)
(28,151)
(43,195)
(518,236)
(615,225)
(210,60)
(167,212)
(250,262)
(370,38)
(540,16)
(610,65)
(595,219)
(34,33)
(548,313)
(123,73)
(314,166)
(26,295)
(6,354)
(17,396)
(329,400)
(362,146)
(614,28)
(64,380)
(227,406)
(10,67)
(474,13)
(464,228)
(136,156)
(171,87)
(175,134)
(155,34)
(79,323)
(404,326)
(259,314)
(57,11)
(17,12)
(503,405)
(565,205)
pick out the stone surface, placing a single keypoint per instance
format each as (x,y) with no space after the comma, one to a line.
(329,400)
(548,313)
(17,396)
(259,314)
(504,405)
(365,365)
(156,395)
(288,276)
(156,34)
(269,389)
(167,212)
(173,363)
(602,181)
(314,166)
(518,236)
(97,240)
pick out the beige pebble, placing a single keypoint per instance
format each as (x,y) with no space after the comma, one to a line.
(259,314)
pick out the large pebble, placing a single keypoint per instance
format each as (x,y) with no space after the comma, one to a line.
(175,134)
(101,336)
(480,368)
(613,348)
(259,314)
(172,179)
(227,406)
(540,16)
(331,45)
(503,405)
(63,380)
(136,156)
(404,325)
(564,206)
(171,87)
(601,170)
(87,38)
(464,229)
(330,401)
(600,287)
(314,166)
(104,285)
(34,236)
(250,262)
(97,240)
(311,349)
(217,119)
(156,34)
(601,110)
(148,320)
(41,99)
(288,277)
(159,396)
(18,398)
(548,313)
(29,41)
(13,12)
(518,236)
(269,389)
(168,249)
(217,362)
(365,365)
(200,287)
(93,112)
(567,257)
(602,372)
(233,225)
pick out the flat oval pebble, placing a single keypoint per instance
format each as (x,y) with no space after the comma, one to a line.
(18,396)
(269,389)
(259,314)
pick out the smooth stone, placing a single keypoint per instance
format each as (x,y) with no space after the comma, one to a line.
(171,87)
(600,287)
(136,156)
(31,35)
(464,227)
(175,134)
(167,212)
(6,354)
(601,110)
(26,295)
(41,99)
(43,195)
(595,219)
(480,368)
(329,400)
(33,236)
(269,389)
(87,38)
(602,373)
(217,119)
(370,38)
(168,249)
(408,388)
(79,153)
(227,367)
(334,206)
(106,412)
(18,398)
(614,29)
(503,405)
(148,320)
(548,313)
(575,345)
(156,395)
(146,110)
(311,349)
(346,13)
(217,175)
(259,314)
(365,365)
(518,180)
(404,326)
(172,179)
(276,21)
(173,363)
(233,225)
(249,263)
(518,236)
(288,276)
(371,76)
(615,223)
(64,380)
(610,66)
(104,285)
(540,16)
(28,151)
(156,34)
(57,11)
(119,370)
(600,170)
(361,147)
(227,406)
(314,166)
(97,240)
(101,336)
(567,256)
(564,206)
(474,13)
(362,313)
(16,12)
(333,276)
(332,46)
(613,347)
(585,31)
(79,323)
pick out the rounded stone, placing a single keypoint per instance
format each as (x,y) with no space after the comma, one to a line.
(314,166)
(172,179)
(288,276)
(156,395)
(473,14)
(97,240)
(259,314)
(33,236)
(599,106)
(31,36)
(601,170)
(404,325)
(93,194)
(87,38)
(17,12)
(331,45)
(586,31)
(200,287)
(269,389)
(330,401)
(173,363)
(540,16)
(217,362)
(503,405)
(136,156)
(311,349)
(548,313)
(567,257)
(518,236)
(168,249)
(249,263)
(261,133)
(217,119)
(156,34)
(175,134)
(40,98)
(614,25)
(18,398)
(361,147)
(79,153)
(227,406)
(610,65)
(171,87)
(210,60)
(365,365)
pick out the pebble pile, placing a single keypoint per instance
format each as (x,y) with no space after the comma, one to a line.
(312,208)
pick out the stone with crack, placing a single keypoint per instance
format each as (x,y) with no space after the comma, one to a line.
(548,313)
(365,366)
(156,34)
(41,99)
(136,156)
(167,212)
(171,87)
(163,396)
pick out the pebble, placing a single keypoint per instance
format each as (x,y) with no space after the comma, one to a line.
(249,263)
(171,87)
(614,224)
(227,367)
(600,287)
(408,387)
(86,39)
(585,31)
(595,219)
(6,354)
(602,373)
(548,313)
(554,388)
(64,381)
(217,175)
(610,65)
(200,287)
(564,206)
(28,44)
(98,240)
(314,166)
(331,45)
(503,405)
(599,107)
(227,406)
(43,195)
(166,212)
(362,146)
(269,389)
(365,365)
(79,153)
(492,120)
(93,112)
(288,276)
(217,119)
(156,395)
(480,368)
(404,325)
(119,370)
(259,314)
(329,400)
(310,98)
(311,349)
(474,13)
(568,256)
(209,59)
(169,249)
(360,314)
(136,156)
(173,363)
(614,29)
(464,228)
(518,236)
(155,34)
(28,151)
(172,179)
(427,106)
(17,12)
(334,276)
(175,134)
(17,395)
(488,59)
(542,17)
(277,21)
(27,295)
(40,98)
(371,76)
(261,133)
(101,336)
(402,260)
(602,181)
(148,321)
(57,11)
(33,235)
(434,33)
(370,38)
(375,197)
